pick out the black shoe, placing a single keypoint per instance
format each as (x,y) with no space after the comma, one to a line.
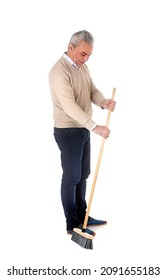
(95,222)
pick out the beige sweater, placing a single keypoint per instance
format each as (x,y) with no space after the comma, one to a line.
(73,92)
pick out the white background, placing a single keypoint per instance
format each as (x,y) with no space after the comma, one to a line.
(129,54)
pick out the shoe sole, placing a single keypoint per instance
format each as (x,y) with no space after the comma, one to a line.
(97,225)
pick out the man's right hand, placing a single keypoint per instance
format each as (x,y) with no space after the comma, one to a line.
(102,131)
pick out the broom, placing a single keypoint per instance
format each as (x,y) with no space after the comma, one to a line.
(79,236)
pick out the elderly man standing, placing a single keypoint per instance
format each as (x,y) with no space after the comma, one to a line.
(73,93)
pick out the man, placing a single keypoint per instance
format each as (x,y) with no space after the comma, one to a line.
(73,92)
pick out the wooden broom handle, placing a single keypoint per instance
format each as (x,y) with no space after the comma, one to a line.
(97,167)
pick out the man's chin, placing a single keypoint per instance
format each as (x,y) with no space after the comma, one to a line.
(80,64)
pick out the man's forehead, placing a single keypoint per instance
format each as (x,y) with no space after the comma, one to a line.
(85,47)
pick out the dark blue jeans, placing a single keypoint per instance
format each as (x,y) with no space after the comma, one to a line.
(74,144)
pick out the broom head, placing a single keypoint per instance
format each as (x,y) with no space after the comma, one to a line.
(82,238)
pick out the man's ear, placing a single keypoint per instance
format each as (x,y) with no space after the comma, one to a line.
(71,47)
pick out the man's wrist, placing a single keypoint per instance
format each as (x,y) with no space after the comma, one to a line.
(102,105)
(93,127)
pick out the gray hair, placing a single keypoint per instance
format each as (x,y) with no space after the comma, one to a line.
(82,35)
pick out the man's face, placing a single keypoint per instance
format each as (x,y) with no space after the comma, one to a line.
(81,53)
